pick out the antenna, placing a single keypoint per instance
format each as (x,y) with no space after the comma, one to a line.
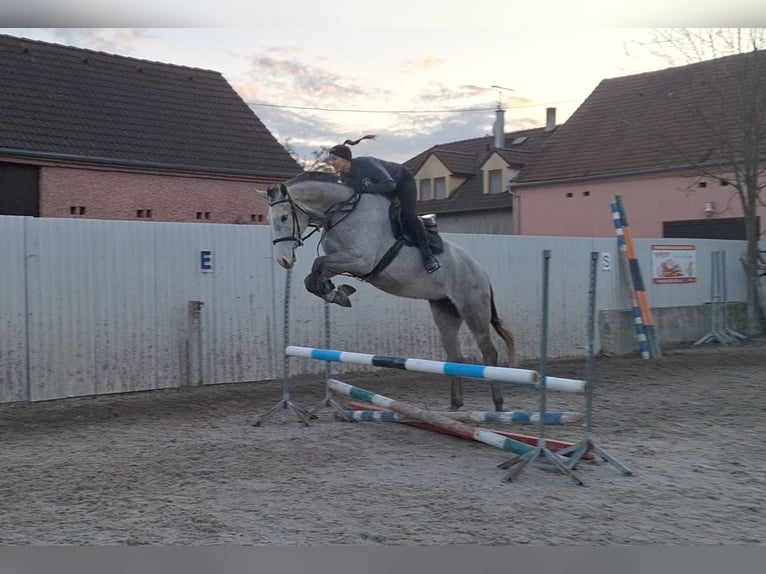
(499,94)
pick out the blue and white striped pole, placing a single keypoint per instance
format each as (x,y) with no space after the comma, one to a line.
(511,376)
(514,417)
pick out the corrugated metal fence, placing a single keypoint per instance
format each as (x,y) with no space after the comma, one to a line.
(92,307)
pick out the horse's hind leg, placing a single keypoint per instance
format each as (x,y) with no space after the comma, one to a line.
(448,322)
(480,328)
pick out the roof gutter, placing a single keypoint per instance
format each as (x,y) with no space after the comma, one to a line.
(136,163)
(599,176)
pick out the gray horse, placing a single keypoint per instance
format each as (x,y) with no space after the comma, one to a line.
(357,236)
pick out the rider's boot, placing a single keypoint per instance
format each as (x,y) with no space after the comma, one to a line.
(430,263)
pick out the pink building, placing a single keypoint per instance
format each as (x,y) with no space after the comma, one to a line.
(94,135)
(656,206)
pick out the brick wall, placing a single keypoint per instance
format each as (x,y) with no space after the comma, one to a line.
(100,194)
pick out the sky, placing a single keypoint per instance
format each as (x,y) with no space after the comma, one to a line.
(416,74)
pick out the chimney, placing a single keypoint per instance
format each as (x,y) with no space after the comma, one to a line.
(550,119)
(499,128)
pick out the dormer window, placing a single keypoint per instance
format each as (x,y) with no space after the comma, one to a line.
(440,187)
(495,183)
(425,189)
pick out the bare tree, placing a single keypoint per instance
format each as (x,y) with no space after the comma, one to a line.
(726,103)
(317,160)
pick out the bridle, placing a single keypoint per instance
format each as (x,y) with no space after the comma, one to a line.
(345,207)
(295,235)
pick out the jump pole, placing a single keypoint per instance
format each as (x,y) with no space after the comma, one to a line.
(453,427)
(367,412)
(475,417)
(517,377)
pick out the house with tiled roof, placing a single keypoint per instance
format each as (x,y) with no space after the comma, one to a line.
(466,183)
(88,134)
(661,140)
(664,141)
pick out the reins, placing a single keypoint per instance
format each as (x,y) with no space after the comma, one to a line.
(345,207)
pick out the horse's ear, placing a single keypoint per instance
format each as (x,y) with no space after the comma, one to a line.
(272,194)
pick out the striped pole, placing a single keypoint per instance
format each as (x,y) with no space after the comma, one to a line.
(517,377)
(638,321)
(453,427)
(552,444)
(514,417)
(638,281)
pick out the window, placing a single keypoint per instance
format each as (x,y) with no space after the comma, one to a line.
(256,217)
(203,215)
(425,189)
(495,181)
(440,188)
(144,213)
(77,210)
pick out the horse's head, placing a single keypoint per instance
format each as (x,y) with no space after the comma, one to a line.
(287,224)
(297,202)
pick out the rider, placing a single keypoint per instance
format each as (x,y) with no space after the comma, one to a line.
(372,175)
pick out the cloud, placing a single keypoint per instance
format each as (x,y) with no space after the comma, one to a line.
(286,75)
(420,64)
(111,40)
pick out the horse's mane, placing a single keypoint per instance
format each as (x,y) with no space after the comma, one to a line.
(320,176)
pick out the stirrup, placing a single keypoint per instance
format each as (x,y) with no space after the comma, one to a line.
(431,264)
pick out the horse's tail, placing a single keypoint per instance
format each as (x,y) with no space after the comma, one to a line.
(503,330)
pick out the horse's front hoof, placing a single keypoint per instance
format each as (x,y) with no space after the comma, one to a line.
(343,302)
(339,298)
(341,295)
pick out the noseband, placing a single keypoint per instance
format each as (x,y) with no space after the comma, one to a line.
(295,236)
(344,208)
(297,239)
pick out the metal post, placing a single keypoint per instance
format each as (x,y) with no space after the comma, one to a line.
(194,376)
(286,402)
(541,451)
(586,444)
(736,336)
(719,331)
(329,400)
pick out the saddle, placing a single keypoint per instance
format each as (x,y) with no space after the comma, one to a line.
(403,236)
(401,232)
